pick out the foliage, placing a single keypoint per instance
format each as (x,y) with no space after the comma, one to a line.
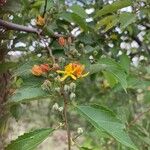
(78,58)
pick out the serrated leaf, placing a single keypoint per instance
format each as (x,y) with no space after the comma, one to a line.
(110,78)
(105,120)
(66,16)
(108,64)
(77,9)
(24,69)
(79,21)
(125,62)
(126,19)
(113,7)
(29,141)
(107,22)
(27,93)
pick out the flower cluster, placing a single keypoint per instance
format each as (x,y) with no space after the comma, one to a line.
(73,70)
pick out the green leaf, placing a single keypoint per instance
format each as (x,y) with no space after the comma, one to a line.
(7,65)
(66,16)
(108,22)
(108,64)
(16,111)
(110,78)
(27,93)
(29,141)
(113,7)
(126,19)
(25,68)
(79,21)
(77,9)
(12,6)
(125,62)
(102,118)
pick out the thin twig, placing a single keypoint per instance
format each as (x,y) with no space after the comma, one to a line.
(137,118)
(66,121)
(45,6)
(48,48)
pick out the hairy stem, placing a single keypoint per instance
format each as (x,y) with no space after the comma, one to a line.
(66,121)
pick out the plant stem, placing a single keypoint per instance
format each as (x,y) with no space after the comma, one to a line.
(66,121)
(17,27)
(45,6)
(48,48)
(138,117)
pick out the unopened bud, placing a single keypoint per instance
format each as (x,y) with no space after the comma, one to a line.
(61,124)
(46,85)
(55,106)
(72,86)
(55,67)
(66,88)
(95,53)
(61,60)
(81,45)
(57,89)
(79,130)
(72,96)
(60,109)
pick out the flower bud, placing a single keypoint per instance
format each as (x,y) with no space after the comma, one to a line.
(61,124)
(55,106)
(72,86)
(62,41)
(60,109)
(72,96)
(81,45)
(57,89)
(79,130)
(46,85)
(61,60)
(66,88)
(95,52)
(55,67)
(69,40)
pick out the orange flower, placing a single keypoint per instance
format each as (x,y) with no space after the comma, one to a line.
(45,67)
(73,70)
(40,21)
(61,41)
(37,70)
